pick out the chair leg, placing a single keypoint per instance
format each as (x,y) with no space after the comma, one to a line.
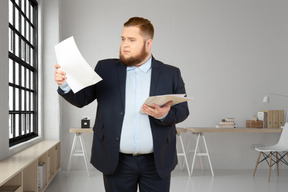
(270,158)
(277,163)
(257,163)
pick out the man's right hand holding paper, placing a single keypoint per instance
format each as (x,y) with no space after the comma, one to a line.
(60,76)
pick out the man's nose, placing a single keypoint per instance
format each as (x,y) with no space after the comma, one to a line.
(126,44)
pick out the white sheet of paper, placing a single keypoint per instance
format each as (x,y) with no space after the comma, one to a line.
(79,73)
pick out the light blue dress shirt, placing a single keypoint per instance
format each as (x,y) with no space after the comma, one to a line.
(136,135)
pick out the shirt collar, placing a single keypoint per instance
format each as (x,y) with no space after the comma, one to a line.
(144,67)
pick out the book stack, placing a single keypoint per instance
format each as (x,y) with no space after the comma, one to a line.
(271,118)
(226,123)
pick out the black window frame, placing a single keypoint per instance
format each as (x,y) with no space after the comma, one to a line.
(23,71)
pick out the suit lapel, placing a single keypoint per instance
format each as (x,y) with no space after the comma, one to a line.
(122,81)
(154,76)
(154,79)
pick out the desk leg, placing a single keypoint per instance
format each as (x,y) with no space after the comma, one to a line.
(196,153)
(75,152)
(206,148)
(184,154)
(192,150)
(71,153)
(84,155)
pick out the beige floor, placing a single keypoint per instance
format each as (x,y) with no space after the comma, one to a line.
(223,181)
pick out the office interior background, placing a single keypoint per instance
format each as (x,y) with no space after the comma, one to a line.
(231,54)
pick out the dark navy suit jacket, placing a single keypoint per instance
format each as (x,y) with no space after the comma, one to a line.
(110,95)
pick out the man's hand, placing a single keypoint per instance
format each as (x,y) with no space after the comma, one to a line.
(60,76)
(157,111)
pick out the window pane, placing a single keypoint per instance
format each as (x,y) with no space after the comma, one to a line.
(32,122)
(23,26)
(10,126)
(31,81)
(23,71)
(16,45)
(31,14)
(27,11)
(17,103)
(27,78)
(11,69)
(16,20)
(10,12)
(27,123)
(23,49)
(27,100)
(17,125)
(23,5)
(32,35)
(16,74)
(11,96)
(31,101)
(10,40)
(17,2)
(27,31)
(23,124)
(23,100)
(27,54)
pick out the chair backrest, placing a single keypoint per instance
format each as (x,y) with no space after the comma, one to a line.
(283,140)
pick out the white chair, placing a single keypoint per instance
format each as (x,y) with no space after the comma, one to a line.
(183,153)
(278,151)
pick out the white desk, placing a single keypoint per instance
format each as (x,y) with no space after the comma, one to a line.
(82,152)
(201,130)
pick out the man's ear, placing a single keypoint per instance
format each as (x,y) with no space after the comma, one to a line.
(149,43)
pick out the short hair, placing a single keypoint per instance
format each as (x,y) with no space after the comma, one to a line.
(145,26)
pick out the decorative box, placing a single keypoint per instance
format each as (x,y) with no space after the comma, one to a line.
(254,124)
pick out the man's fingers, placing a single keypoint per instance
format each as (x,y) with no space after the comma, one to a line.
(57,66)
(60,76)
(60,72)
(169,103)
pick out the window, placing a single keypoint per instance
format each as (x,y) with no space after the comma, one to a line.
(23,75)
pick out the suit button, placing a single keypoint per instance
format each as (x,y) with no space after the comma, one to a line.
(117,138)
(122,113)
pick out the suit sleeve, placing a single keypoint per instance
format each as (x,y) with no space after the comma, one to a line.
(179,112)
(81,98)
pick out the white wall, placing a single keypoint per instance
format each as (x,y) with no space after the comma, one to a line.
(231,54)
(51,118)
(4,136)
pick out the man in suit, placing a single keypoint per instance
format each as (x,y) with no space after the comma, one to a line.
(130,148)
